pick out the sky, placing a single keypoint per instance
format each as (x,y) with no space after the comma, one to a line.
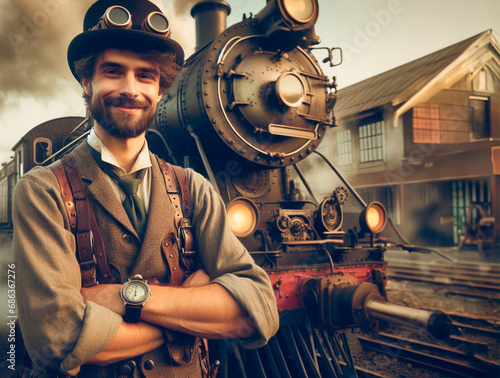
(375,36)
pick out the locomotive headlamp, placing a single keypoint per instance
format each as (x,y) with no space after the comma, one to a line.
(290,89)
(373,218)
(243,217)
(301,11)
(296,15)
(117,17)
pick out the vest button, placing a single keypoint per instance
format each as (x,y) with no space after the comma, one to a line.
(128,368)
(127,238)
(149,364)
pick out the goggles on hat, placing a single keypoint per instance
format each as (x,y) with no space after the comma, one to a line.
(118,17)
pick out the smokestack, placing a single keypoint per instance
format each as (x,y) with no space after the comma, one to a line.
(211,20)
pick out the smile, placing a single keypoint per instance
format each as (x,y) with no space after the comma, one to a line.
(126,109)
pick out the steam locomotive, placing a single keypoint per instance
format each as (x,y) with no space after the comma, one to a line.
(249,109)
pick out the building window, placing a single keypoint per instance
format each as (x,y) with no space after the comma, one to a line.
(344,147)
(441,123)
(371,142)
(480,121)
(426,124)
(42,149)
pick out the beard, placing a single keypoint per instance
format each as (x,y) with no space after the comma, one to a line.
(118,124)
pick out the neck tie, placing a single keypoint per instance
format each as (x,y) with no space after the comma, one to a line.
(133,205)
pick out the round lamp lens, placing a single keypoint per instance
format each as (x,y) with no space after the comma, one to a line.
(242,217)
(373,217)
(300,10)
(290,90)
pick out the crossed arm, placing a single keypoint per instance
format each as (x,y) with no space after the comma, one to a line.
(62,331)
(197,308)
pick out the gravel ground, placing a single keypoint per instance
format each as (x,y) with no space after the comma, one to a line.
(434,297)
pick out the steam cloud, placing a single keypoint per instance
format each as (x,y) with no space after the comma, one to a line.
(33,43)
(182,7)
(34,36)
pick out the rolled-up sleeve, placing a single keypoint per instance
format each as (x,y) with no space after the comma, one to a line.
(229,264)
(60,330)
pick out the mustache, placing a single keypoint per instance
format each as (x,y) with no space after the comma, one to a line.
(126,102)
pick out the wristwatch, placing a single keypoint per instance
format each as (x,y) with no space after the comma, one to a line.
(135,292)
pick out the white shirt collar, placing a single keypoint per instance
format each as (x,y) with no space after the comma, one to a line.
(143,160)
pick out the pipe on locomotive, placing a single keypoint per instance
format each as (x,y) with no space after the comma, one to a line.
(211,20)
(437,323)
(341,302)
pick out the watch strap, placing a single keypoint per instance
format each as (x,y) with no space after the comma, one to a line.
(132,313)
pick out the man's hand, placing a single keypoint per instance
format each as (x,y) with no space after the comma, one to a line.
(106,295)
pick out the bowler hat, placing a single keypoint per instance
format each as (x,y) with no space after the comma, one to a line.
(96,39)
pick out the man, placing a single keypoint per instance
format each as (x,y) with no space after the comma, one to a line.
(69,329)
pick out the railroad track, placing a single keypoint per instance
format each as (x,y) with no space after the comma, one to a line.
(444,359)
(474,280)
(474,353)
(481,325)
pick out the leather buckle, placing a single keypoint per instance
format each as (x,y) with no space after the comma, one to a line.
(186,237)
(86,265)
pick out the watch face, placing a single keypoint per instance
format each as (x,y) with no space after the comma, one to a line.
(135,292)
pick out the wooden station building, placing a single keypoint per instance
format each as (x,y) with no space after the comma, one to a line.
(424,137)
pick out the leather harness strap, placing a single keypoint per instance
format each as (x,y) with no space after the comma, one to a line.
(90,246)
(169,246)
(67,194)
(180,175)
(172,189)
(171,253)
(179,195)
(185,228)
(100,253)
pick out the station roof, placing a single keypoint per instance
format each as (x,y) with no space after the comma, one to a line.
(398,85)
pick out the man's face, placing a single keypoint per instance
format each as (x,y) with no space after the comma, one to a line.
(124,92)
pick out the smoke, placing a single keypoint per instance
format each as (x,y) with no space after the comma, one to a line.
(34,36)
(181,23)
(183,7)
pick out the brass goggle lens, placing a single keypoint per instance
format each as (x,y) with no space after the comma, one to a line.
(156,22)
(117,17)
